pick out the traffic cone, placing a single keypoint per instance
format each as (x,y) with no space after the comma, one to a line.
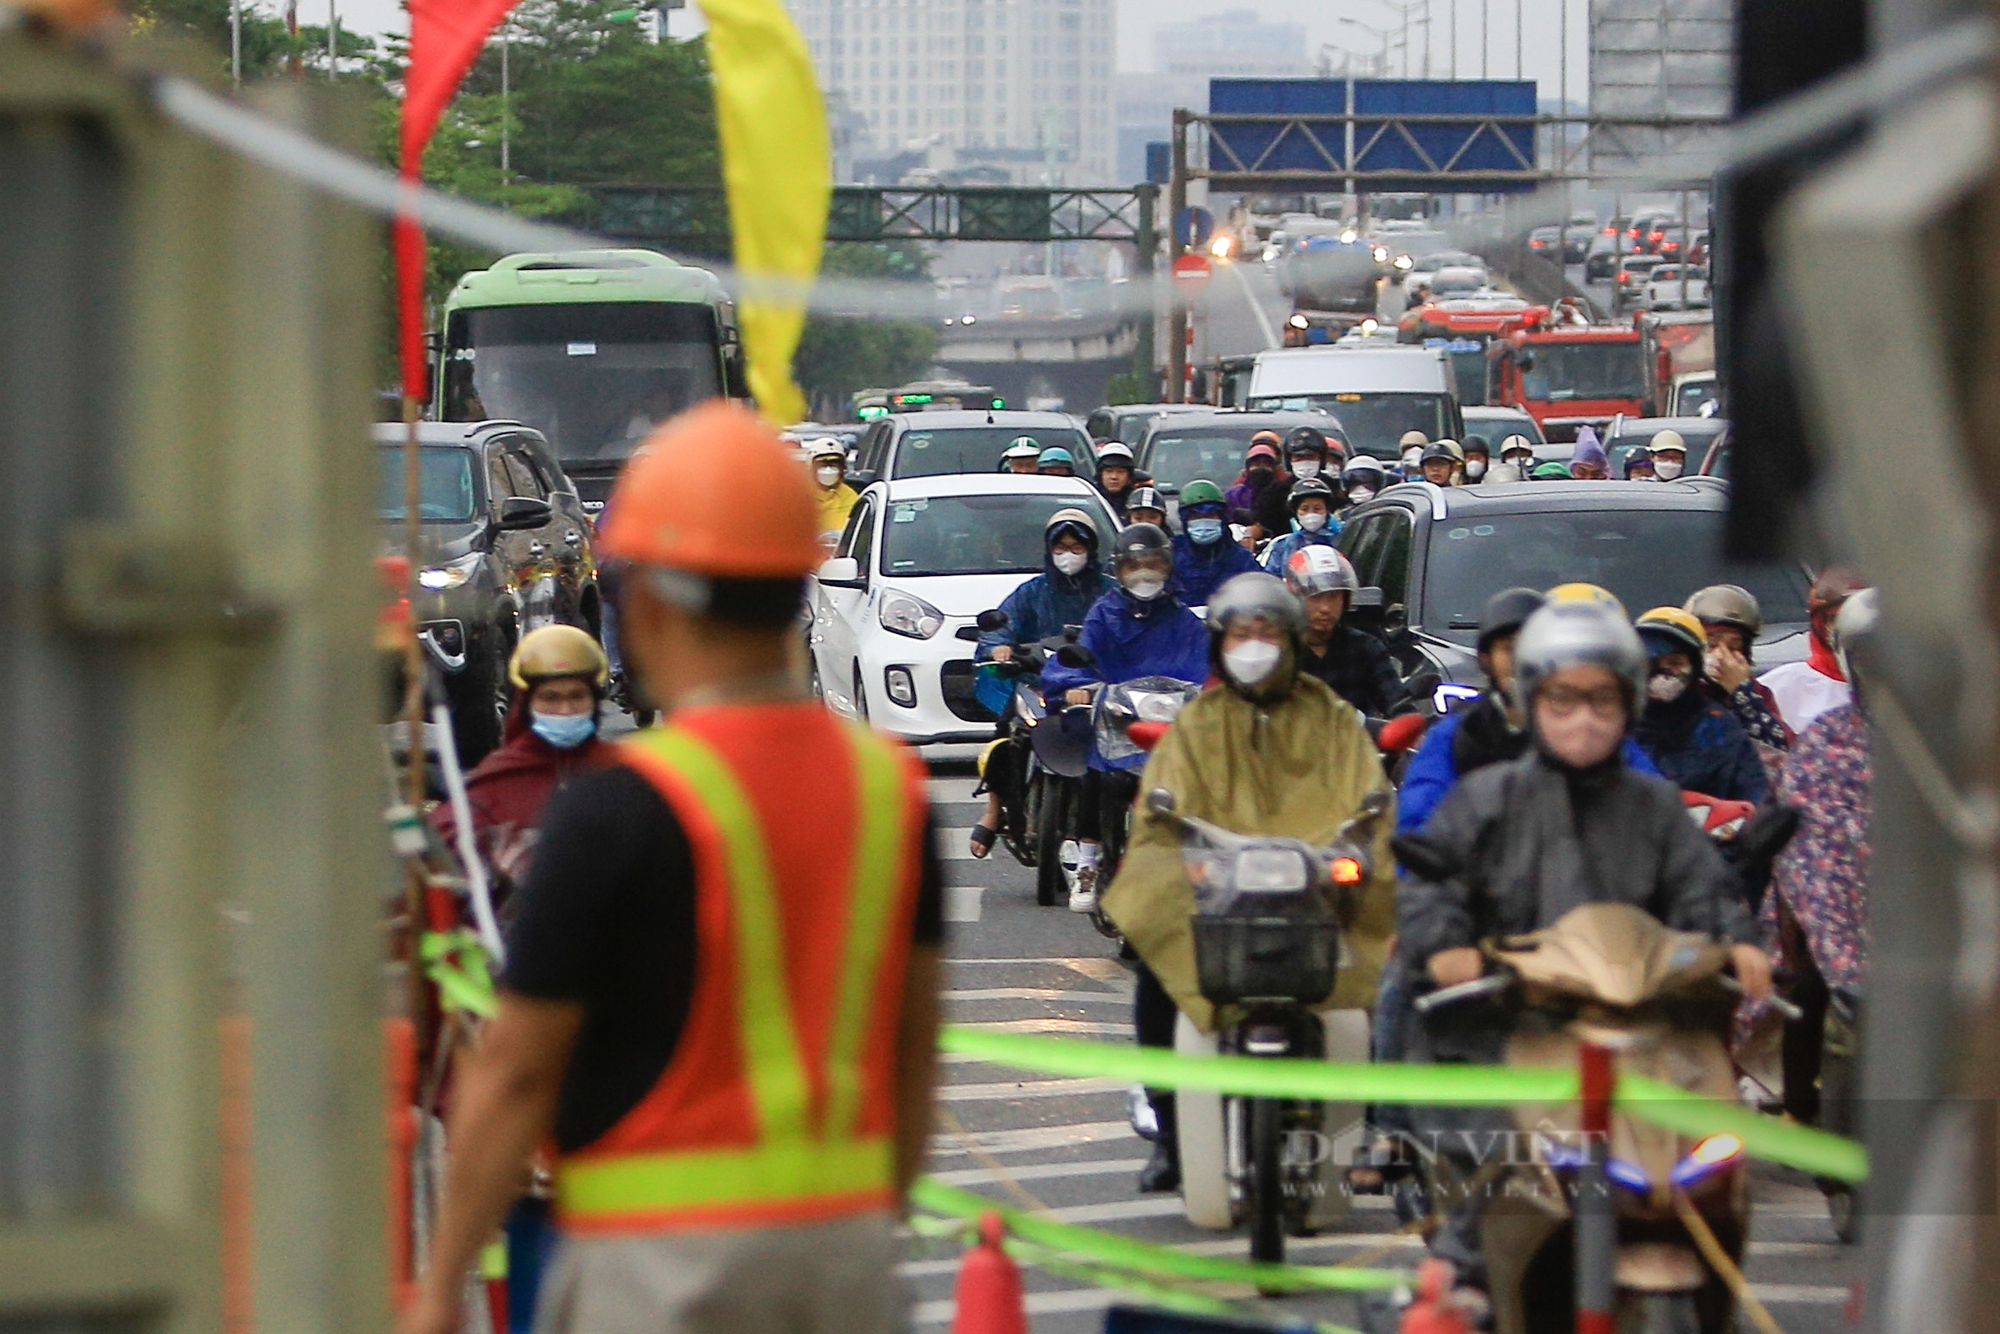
(988,1294)
(1434,1311)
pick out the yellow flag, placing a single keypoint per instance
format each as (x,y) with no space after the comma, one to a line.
(777,166)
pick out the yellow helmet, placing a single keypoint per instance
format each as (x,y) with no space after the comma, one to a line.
(1582,592)
(558,651)
(1664,629)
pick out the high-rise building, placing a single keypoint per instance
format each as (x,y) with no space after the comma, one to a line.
(1023,85)
(1658,58)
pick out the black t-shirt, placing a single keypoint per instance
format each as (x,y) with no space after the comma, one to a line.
(607,917)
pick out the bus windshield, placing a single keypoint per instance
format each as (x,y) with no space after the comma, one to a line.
(593,377)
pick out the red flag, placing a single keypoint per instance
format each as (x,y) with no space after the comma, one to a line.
(445,37)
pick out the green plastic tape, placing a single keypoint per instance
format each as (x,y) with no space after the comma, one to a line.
(455,962)
(1151,1260)
(1765,1137)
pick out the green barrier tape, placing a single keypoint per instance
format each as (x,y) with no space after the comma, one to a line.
(1766,1137)
(455,962)
(1263,1077)
(1794,1145)
(1156,1261)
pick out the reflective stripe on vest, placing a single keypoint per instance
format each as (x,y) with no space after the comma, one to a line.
(791,1166)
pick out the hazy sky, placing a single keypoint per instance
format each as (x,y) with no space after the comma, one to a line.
(1540,24)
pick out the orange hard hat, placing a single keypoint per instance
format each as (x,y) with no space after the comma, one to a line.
(679,502)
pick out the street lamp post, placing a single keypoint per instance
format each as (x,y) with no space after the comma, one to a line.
(1381,35)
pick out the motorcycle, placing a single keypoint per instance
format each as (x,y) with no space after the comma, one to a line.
(1034,796)
(1269,944)
(1612,975)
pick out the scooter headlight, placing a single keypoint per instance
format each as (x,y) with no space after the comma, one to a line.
(1710,1154)
(1271,871)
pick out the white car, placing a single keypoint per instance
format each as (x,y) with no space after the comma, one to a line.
(894,612)
(1666,290)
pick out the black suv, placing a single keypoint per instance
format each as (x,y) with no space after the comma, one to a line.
(1437,554)
(506,549)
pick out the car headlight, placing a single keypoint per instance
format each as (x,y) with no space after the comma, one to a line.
(904,614)
(452,574)
(1405,262)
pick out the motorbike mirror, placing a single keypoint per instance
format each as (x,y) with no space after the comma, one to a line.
(1076,655)
(995,619)
(1423,858)
(1765,834)
(1160,802)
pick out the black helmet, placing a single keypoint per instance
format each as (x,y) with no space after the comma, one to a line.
(1506,612)
(1477,444)
(1305,440)
(1306,489)
(1438,450)
(1144,498)
(1142,541)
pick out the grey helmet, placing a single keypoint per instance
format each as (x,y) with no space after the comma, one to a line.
(1142,541)
(1256,596)
(1364,470)
(1727,604)
(1572,634)
(1306,489)
(1145,498)
(1856,620)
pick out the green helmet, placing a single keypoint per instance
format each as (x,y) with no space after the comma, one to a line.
(1552,471)
(1201,491)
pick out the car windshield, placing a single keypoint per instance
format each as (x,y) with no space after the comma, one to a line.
(1649,558)
(444,484)
(995,534)
(1214,452)
(1375,422)
(593,378)
(1585,370)
(942,451)
(1692,397)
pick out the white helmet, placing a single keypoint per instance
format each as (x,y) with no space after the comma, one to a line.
(1571,634)
(1667,442)
(1855,621)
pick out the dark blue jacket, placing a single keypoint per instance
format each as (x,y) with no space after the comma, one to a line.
(1433,771)
(1199,571)
(1701,746)
(1131,639)
(1043,606)
(1280,549)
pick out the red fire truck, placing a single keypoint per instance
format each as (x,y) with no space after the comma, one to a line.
(1568,376)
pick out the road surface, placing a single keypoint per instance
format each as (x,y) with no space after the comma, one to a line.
(1064,1143)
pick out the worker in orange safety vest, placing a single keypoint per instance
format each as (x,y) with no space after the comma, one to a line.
(720,998)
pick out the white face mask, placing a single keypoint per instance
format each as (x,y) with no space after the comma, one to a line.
(1248,664)
(829,477)
(1666,469)
(1311,523)
(1145,587)
(1357,494)
(1304,468)
(1666,687)
(1071,562)
(1475,469)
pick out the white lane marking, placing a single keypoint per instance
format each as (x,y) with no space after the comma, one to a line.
(953,789)
(1800,1294)
(962,902)
(1037,993)
(1037,1139)
(1046,1026)
(1825,1250)
(1035,1303)
(954,845)
(1027,1088)
(986,1176)
(1256,307)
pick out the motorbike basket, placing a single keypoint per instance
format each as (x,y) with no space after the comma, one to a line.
(1242,959)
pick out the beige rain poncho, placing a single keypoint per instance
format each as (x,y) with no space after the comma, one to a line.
(1299,769)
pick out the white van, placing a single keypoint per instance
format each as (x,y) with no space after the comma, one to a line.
(1377,392)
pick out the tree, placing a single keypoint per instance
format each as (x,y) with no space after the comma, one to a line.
(838,356)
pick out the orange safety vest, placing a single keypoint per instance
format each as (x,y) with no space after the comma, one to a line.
(778,1103)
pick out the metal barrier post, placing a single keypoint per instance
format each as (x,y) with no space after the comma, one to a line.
(1596,1217)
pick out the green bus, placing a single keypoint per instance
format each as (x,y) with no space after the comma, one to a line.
(589,347)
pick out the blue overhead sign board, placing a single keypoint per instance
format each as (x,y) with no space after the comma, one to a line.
(1408,134)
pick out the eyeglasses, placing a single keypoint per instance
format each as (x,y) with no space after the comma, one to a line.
(1564,701)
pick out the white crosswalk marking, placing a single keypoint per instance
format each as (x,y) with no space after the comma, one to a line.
(963,903)
(1027,1088)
